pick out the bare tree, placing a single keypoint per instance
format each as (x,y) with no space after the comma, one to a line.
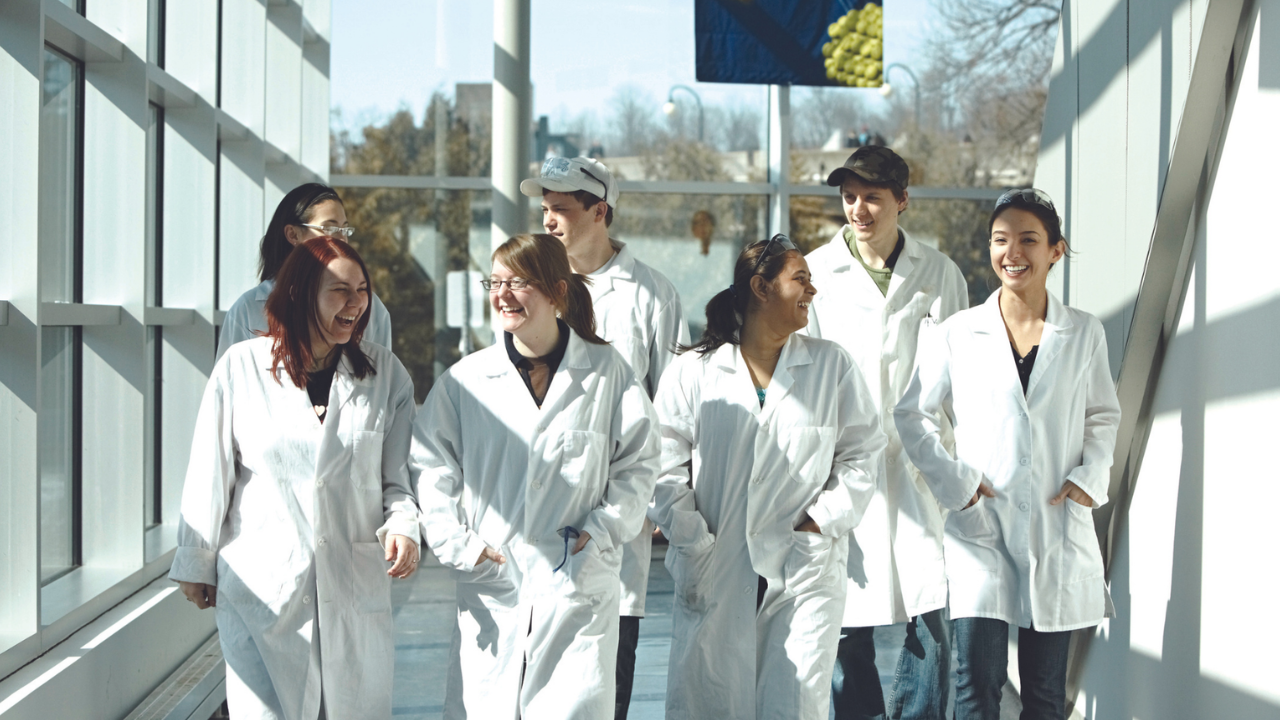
(634,129)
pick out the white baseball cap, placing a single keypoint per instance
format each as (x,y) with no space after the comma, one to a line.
(573,174)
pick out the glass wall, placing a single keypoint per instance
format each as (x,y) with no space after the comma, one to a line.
(61,110)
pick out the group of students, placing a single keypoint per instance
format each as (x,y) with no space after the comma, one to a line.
(845,447)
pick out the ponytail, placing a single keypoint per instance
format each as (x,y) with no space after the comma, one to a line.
(724,320)
(578,312)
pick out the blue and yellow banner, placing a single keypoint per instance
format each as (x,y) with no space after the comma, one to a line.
(790,42)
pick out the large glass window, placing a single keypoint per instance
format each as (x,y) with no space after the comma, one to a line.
(152,424)
(60,173)
(58,432)
(692,239)
(630,97)
(412,240)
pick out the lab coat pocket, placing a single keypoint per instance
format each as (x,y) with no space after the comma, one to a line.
(809,454)
(810,565)
(582,457)
(593,572)
(372,590)
(692,576)
(1082,541)
(972,523)
(366,458)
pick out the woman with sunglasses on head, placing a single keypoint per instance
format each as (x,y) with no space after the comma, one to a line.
(307,211)
(297,510)
(770,452)
(535,460)
(1026,383)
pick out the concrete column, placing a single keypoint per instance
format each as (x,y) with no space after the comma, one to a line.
(780,158)
(512,110)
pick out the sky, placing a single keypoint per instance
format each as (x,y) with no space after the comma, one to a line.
(389,54)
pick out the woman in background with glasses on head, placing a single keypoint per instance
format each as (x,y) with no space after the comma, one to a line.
(307,211)
(771,449)
(297,500)
(1027,385)
(535,460)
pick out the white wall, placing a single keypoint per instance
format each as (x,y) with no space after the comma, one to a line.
(1194,568)
(96,641)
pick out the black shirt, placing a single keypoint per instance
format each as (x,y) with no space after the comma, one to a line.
(318,384)
(1024,365)
(540,369)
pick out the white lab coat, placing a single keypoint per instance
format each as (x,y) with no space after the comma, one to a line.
(494,470)
(1015,557)
(248,317)
(815,447)
(896,566)
(638,311)
(284,515)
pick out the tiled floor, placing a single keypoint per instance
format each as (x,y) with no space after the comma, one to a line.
(424,621)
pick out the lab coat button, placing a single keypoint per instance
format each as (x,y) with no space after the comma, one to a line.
(323,540)
(746,590)
(1024,507)
(319,483)
(1025,461)
(537,486)
(306,599)
(765,427)
(891,461)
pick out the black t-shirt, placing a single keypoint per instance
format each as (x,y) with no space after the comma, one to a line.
(1024,364)
(537,372)
(318,384)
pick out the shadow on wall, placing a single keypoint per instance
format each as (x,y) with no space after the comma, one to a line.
(1125,678)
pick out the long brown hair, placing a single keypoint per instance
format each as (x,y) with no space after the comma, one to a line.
(291,309)
(541,259)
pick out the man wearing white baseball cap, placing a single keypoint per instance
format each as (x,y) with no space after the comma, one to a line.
(638,311)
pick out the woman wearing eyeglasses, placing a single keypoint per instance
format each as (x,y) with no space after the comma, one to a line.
(535,460)
(1026,382)
(307,211)
(770,451)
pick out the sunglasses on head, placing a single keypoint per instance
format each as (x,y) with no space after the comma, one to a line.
(783,244)
(1030,196)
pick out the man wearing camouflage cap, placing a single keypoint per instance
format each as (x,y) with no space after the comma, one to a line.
(880,290)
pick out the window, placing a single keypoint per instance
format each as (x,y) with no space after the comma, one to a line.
(61,137)
(152,424)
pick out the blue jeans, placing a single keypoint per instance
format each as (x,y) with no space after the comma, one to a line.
(982,649)
(921,682)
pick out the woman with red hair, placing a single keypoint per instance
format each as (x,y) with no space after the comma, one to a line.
(297,511)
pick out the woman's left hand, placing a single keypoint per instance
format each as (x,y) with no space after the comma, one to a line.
(1073,491)
(808,525)
(405,554)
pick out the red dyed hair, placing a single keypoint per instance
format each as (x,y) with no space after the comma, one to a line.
(291,309)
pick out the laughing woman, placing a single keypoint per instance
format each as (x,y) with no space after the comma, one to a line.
(1026,383)
(771,448)
(297,500)
(535,459)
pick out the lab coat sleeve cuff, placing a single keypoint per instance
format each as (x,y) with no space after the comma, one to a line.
(599,534)
(829,522)
(957,503)
(407,527)
(1095,488)
(196,565)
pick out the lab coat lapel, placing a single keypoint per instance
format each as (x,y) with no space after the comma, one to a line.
(570,372)
(903,267)
(991,325)
(1058,329)
(794,354)
(728,358)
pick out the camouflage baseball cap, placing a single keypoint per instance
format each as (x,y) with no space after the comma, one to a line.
(873,163)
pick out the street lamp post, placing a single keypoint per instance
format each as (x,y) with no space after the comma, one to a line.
(885,89)
(669,107)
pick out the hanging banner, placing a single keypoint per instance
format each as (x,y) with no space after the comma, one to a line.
(790,42)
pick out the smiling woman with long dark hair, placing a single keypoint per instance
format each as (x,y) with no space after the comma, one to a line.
(297,511)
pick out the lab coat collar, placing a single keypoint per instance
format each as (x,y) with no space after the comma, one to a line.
(728,357)
(263,291)
(621,270)
(841,260)
(1058,326)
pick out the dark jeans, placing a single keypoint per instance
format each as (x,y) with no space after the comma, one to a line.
(625,675)
(982,648)
(921,681)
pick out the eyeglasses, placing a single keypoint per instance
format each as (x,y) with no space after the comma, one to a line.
(494,286)
(784,244)
(333,230)
(1030,196)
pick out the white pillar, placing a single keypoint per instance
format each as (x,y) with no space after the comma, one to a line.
(780,158)
(512,110)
